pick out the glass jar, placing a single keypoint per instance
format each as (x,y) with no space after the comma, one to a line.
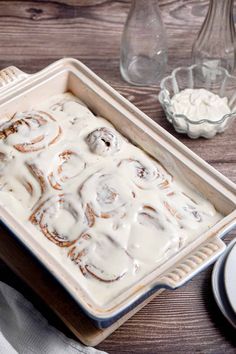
(215,44)
(143,57)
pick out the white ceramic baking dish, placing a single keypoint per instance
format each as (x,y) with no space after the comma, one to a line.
(19,91)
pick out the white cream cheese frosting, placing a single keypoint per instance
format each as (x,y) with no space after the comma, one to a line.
(103,208)
(197,105)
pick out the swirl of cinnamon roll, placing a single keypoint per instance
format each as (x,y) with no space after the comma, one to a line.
(39,176)
(60,100)
(22,189)
(145,174)
(16,179)
(105,196)
(184,210)
(193,212)
(101,258)
(103,141)
(59,106)
(172,210)
(153,237)
(149,215)
(48,218)
(68,165)
(30,131)
(72,107)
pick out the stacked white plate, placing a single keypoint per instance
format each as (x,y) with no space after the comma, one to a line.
(224,283)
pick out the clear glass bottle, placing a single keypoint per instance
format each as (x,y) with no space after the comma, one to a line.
(143,57)
(215,44)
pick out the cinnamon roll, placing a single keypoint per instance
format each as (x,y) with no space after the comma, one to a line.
(30,131)
(193,212)
(101,258)
(23,186)
(68,164)
(153,237)
(104,141)
(150,216)
(146,175)
(105,196)
(59,106)
(185,210)
(60,102)
(74,109)
(48,218)
(24,189)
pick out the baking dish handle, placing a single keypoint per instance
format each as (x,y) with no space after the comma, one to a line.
(10,76)
(192,264)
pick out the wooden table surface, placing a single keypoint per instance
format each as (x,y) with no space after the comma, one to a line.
(36,33)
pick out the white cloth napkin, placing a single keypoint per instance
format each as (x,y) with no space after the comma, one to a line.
(24,330)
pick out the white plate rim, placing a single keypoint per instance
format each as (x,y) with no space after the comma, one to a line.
(230,285)
(219,288)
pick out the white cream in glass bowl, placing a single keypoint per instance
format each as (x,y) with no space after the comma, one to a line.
(198,100)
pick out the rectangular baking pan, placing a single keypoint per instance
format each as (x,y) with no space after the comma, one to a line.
(20,91)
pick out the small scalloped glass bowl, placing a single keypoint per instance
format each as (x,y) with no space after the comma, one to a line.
(216,80)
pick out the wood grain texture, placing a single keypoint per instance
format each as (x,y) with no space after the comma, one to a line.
(35,33)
